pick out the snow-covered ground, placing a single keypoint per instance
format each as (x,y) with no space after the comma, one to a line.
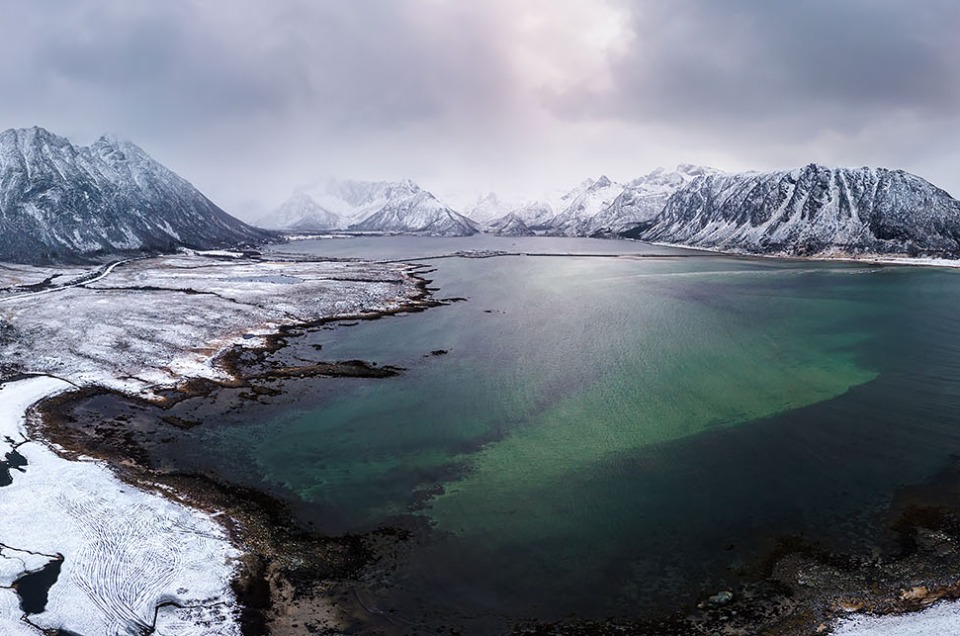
(131,560)
(940,620)
(151,323)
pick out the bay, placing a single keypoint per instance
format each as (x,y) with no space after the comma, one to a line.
(607,432)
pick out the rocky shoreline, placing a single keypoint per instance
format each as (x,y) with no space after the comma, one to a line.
(242,304)
(288,579)
(294,580)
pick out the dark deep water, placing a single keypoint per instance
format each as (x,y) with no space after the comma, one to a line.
(607,436)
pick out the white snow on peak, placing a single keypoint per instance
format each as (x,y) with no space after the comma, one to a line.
(372,206)
(581,204)
(63,201)
(301,213)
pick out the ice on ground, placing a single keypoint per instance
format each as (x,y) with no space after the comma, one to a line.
(125,551)
(151,323)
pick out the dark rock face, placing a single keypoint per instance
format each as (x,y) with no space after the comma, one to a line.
(62,203)
(812,210)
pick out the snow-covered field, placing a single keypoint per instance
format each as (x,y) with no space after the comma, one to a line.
(940,620)
(131,561)
(152,323)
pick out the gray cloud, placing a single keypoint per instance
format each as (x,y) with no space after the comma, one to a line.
(809,64)
(249,99)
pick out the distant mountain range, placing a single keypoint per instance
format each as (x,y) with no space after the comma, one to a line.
(368,206)
(597,207)
(60,202)
(813,210)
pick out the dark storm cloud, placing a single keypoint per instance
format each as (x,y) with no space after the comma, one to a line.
(808,63)
(365,64)
(153,66)
(170,66)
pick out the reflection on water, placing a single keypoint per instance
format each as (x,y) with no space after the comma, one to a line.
(608,436)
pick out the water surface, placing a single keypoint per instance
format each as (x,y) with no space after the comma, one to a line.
(608,436)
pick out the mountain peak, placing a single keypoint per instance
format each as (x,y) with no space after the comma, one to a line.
(34,136)
(602,182)
(371,206)
(119,149)
(65,203)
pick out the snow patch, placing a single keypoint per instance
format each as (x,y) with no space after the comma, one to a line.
(125,551)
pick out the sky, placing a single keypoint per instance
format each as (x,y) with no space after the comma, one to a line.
(250,100)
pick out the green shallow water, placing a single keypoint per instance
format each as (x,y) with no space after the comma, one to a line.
(610,436)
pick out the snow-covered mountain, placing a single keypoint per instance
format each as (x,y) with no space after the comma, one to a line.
(641,200)
(535,214)
(370,206)
(509,225)
(812,210)
(488,207)
(603,208)
(301,213)
(407,208)
(579,206)
(60,202)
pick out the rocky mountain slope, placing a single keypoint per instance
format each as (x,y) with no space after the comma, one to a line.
(60,202)
(405,207)
(579,206)
(603,208)
(812,210)
(535,215)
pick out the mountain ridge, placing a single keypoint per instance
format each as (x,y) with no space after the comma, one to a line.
(370,206)
(809,210)
(813,210)
(61,203)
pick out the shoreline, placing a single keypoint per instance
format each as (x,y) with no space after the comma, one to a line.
(864,259)
(258,525)
(798,588)
(192,490)
(125,559)
(252,575)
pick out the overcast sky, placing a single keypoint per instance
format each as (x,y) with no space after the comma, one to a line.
(249,99)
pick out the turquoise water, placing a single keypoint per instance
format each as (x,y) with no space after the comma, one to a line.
(610,436)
